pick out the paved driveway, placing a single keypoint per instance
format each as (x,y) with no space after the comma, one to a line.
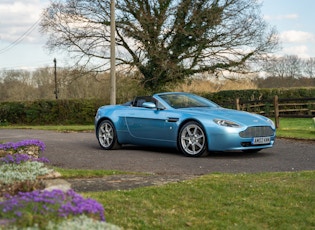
(81,150)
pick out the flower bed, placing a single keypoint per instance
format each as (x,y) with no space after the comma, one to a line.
(40,206)
(30,147)
(21,165)
(25,204)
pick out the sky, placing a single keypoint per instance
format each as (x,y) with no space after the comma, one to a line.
(22,46)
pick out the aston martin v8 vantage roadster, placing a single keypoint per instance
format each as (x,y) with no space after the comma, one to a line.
(192,124)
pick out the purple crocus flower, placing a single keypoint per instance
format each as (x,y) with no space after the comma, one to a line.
(78,205)
(19,144)
(47,203)
(20,158)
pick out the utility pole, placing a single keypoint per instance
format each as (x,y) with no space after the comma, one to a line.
(112,54)
(55,73)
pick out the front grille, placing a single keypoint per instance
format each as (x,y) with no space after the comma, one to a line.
(258,131)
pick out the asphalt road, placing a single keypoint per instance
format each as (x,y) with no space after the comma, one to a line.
(81,151)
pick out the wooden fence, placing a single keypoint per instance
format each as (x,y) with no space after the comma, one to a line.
(279,107)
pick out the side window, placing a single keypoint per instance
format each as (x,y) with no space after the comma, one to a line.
(138,101)
(159,105)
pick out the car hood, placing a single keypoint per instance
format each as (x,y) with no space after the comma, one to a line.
(240,117)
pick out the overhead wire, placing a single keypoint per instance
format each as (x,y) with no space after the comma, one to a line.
(21,38)
(17,42)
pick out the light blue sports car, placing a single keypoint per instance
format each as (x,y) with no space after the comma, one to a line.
(190,123)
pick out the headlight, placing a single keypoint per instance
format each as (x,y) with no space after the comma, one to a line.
(226,123)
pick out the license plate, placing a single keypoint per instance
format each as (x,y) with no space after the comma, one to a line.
(260,140)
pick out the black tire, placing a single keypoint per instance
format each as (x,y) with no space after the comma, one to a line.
(192,141)
(106,135)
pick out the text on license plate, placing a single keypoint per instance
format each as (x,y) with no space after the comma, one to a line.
(260,140)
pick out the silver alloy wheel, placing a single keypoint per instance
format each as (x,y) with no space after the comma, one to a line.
(106,134)
(192,139)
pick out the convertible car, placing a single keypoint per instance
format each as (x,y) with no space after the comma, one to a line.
(190,123)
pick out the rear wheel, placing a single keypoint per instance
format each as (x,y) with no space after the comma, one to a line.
(106,135)
(192,140)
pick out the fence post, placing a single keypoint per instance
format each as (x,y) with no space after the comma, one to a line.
(276,109)
(237,103)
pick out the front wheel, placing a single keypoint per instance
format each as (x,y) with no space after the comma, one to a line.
(106,135)
(192,140)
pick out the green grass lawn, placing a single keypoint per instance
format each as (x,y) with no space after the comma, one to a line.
(217,201)
(300,128)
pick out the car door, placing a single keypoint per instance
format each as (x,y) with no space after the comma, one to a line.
(151,124)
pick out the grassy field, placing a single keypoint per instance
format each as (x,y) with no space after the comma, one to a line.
(300,128)
(279,200)
(217,201)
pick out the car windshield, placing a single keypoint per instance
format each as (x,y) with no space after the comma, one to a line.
(184,100)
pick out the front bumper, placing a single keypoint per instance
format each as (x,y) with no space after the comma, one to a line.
(231,139)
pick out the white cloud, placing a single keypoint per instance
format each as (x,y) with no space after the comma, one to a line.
(302,51)
(299,43)
(17,17)
(294,36)
(19,12)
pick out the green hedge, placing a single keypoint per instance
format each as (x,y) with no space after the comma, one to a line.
(46,112)
(82,111)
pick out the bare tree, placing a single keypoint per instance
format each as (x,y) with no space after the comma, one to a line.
(16,85)
(275,67)
(43,81)
(288,66)
(293,66)
(166,40)
(309,67)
